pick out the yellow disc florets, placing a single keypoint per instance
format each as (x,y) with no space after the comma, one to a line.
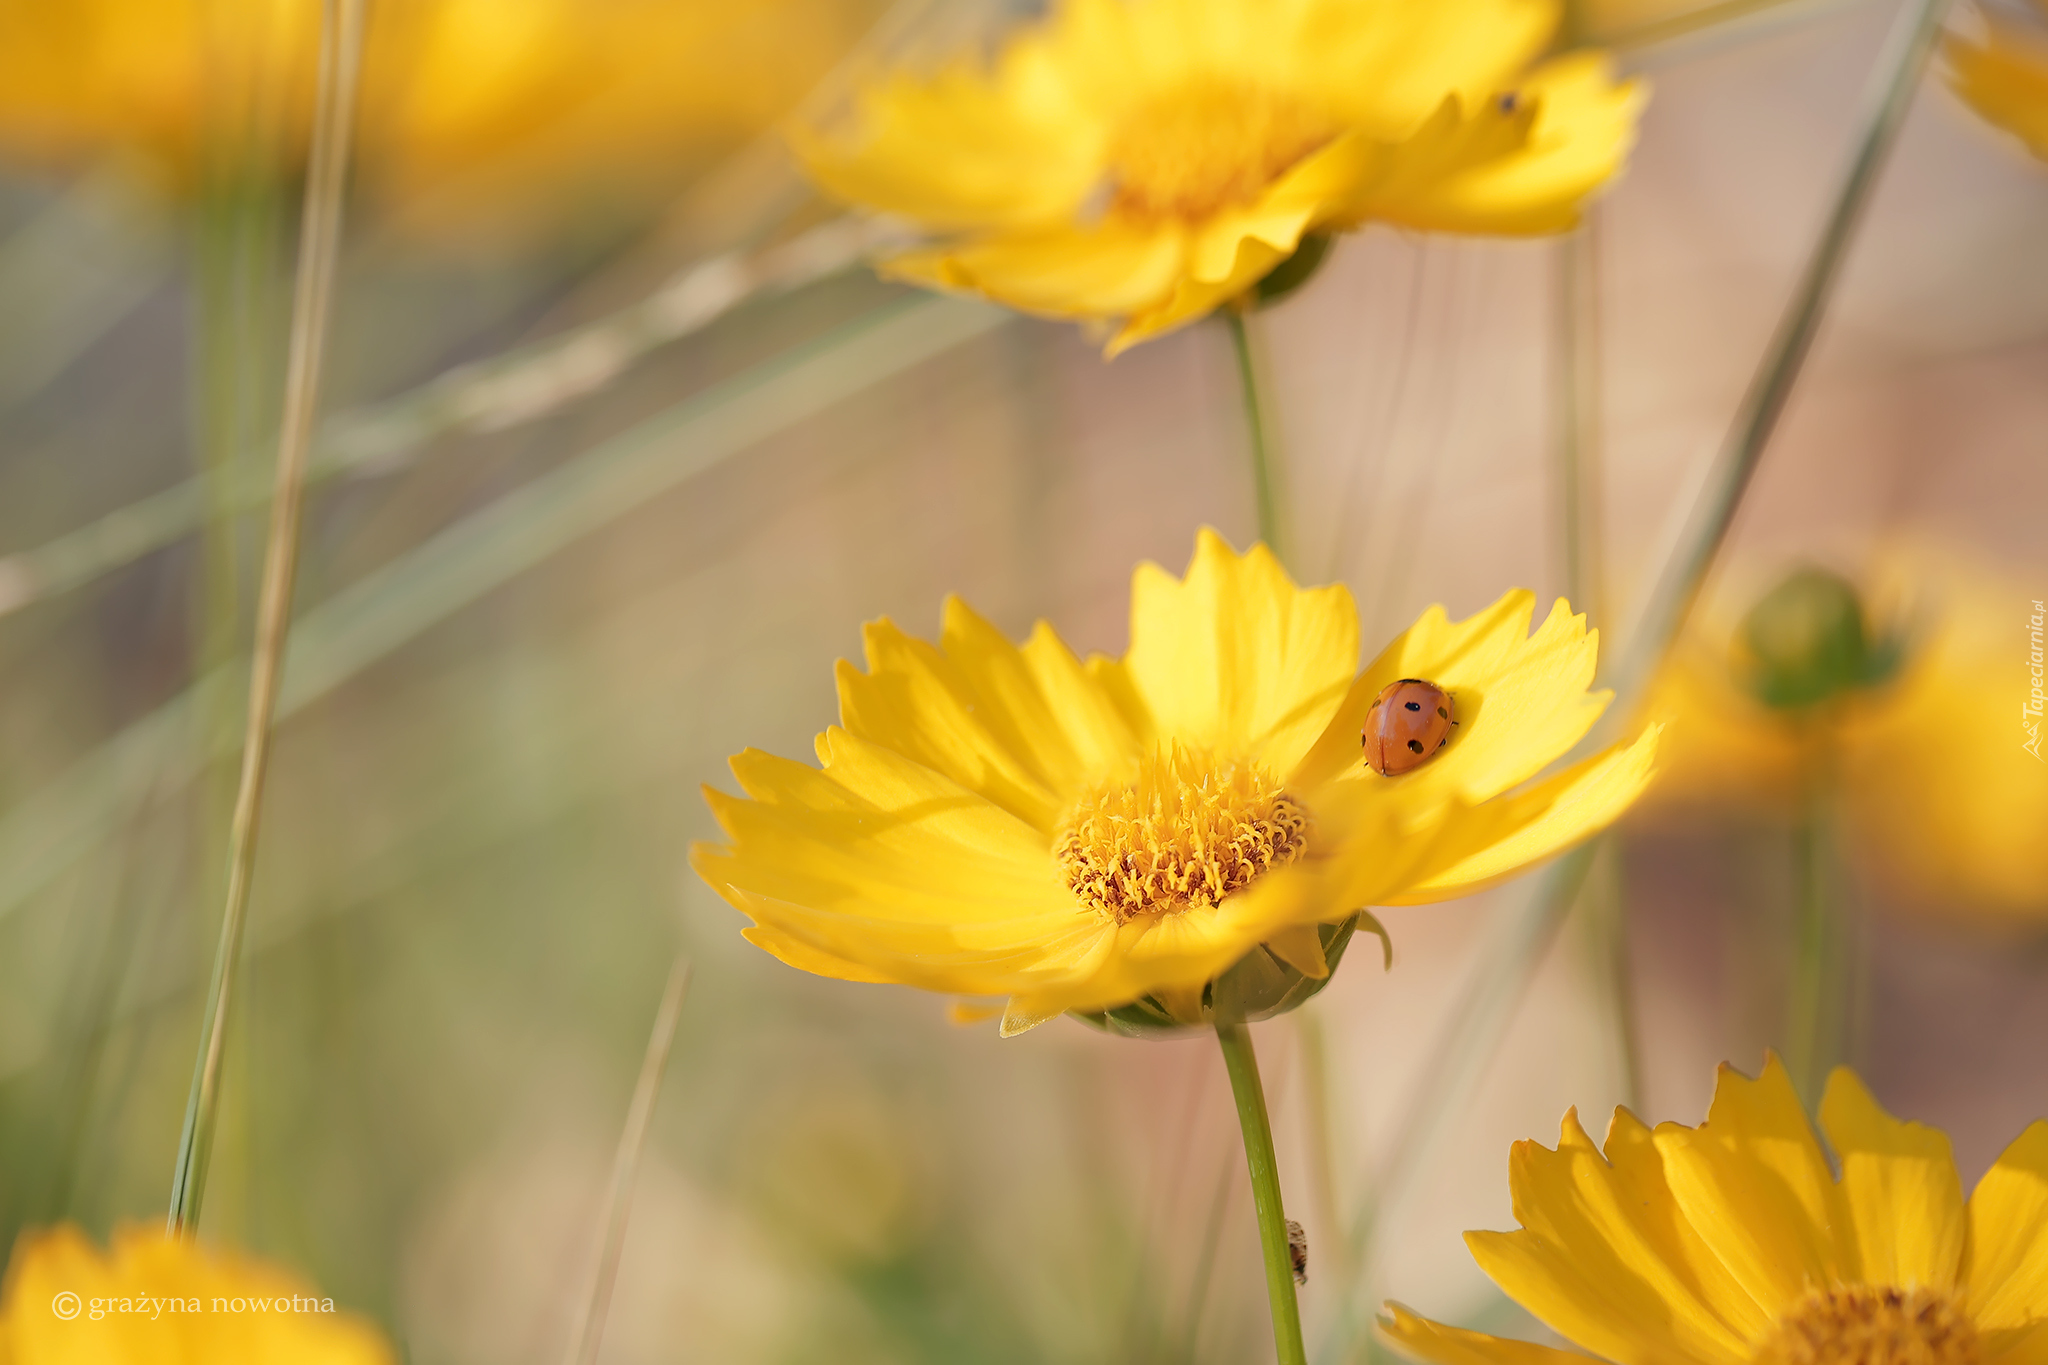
(1863,1325)
(1186,832)
(1186,155)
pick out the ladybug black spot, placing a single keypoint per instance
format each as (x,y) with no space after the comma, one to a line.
(1414,746)
(1412,705)
(1445,714)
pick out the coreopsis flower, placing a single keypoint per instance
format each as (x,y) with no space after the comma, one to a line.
(2005,78)
(155,1300)
(1739,1243)
(1145,161)
(473,113)
(997,820)
(1943,798)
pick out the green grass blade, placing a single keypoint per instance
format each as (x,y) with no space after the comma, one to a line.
(1514,952)
(489,395)
(332,642)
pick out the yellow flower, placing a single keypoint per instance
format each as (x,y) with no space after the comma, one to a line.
(153,1300)
(471,110)
(2006,79)
(1932,770)
(1148,160)
(995,820)
(1735,1243)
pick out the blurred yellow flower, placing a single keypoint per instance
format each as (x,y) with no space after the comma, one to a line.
(471,110)
(995,820)
(1149,160)
(1735,1243)
(1936,785)
(154,1300)
(2005,79)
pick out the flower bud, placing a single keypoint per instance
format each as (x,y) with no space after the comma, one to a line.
(1807,642)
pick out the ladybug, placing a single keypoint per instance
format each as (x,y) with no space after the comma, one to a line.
(1410,720)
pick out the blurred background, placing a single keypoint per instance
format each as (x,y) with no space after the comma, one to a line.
(543,598)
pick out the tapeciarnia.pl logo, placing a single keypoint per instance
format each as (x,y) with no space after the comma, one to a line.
(2030,709)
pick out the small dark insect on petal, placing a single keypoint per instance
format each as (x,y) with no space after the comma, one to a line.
(1507,103)
(1297,1251)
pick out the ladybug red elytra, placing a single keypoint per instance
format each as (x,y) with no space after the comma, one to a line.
(1410,720)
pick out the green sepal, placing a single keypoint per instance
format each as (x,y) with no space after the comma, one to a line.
(1259,986)
(1294,272)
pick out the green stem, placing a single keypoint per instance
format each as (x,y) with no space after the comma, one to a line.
(1819,1002)
(1579,480)
(1581,522)
(1265,459)
(1512,957)
(341,31)
(1897,77)
(1243,1063)
(1604,909)
(589,1334)
(1324,1142)
(1807,1003)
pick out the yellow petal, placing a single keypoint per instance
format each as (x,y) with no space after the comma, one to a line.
(1753,1181)
(965,149)
(1023,1013)
(1520,700)
(1103,270)
(1386,67)
(1956,825)
(2007,1261)
(143,1264)
(1193,299)
(1241,245)
(1301,948)
(1514,164)
(1901,1185)
(1440,1345)
(1519,164)
(2006,81)
(1631,1149)
(1506,836)
(2014,1345)
(1103,726)
(883,863)
(1603,1258)
(985,713)
(967,1013)
(1363,851)
(1235,659)
(803,956)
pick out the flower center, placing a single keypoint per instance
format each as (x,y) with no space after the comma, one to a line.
(1186,833)
(1861,1325)
(1189,153)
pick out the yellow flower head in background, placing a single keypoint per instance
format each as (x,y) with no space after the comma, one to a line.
(1149,160)
(1930,769)
(471,111)
(994,820)
(1736,1243)
(153,1300)
(2005,79)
